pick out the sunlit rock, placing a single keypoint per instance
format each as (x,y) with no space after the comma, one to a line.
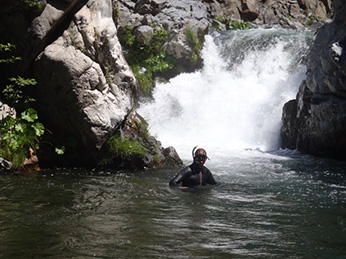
(84,80)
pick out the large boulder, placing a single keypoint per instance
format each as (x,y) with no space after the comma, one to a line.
(315,122)
(83,78)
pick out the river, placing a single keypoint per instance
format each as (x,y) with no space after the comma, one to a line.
(269,203)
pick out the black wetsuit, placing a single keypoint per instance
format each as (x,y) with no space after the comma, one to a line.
(193,176)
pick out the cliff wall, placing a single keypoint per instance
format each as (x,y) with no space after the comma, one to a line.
(315,122)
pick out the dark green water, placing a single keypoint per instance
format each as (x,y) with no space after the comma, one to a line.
(266,206)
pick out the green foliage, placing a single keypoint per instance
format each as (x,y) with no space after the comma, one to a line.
(34,4)
(237,25)
(60,151)
(17,136)
(221,19)
(233,25)
(149,55)
(123,149)
(14,94)
(145,79)
(195,44)
(8,48)
(129,37)
(310,22)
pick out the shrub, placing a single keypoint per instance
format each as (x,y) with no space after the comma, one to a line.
(119,148)
(237,25)
(195,44)
(149,55)
(19,135)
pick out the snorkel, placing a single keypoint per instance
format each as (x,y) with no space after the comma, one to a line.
(193,152)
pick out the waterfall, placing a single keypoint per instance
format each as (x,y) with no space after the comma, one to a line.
(235,101)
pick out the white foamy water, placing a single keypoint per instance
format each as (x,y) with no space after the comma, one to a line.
(235,101)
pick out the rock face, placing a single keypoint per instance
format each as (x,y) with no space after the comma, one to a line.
(315,122)
(174,16)
(83,77)
(292,14)
(84,80)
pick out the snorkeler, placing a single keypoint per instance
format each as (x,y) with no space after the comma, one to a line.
(195,174)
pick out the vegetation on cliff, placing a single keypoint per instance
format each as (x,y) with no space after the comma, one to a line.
(147,58)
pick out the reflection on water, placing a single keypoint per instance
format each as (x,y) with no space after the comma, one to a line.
(266,205)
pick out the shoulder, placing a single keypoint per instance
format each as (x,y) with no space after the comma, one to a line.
(186,170)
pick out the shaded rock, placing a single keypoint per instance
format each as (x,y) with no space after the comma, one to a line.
(250,10)
(289,128)
(318,8)
(316,122)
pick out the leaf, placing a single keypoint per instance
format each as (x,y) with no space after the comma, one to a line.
(20,127)
(39,129)
(29,115)
(60,151)
(14,143)
(20,81)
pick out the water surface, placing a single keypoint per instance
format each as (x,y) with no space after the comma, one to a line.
(266,205)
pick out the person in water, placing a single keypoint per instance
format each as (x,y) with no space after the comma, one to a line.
(195,174)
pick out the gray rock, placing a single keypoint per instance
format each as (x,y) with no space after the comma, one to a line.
(6,110)
(172,15)
(84,80)
(144,33)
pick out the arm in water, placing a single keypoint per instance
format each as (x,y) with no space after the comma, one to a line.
(193,176)
(183,175)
